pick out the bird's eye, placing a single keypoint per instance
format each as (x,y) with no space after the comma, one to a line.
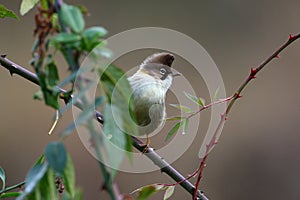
(163,71)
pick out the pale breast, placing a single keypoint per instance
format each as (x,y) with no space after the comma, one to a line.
(149,100)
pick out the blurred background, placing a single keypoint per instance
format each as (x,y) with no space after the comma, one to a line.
(257,156)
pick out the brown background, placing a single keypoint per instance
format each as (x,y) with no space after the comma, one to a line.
(258,154)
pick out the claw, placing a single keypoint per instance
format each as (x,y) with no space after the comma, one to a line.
(146,146)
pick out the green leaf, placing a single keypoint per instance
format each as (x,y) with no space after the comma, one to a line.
(215,96)
(176,118)
(48,81)
(148,190)
(65,38)
(173,130)
(44,4)
(56,155)
(94,33)
(110,77)
(194,99)
(91,37)
(183,108)
(32,179)
(77,196)
(69,177)
(51,80)
(46,187)
(34,195)
(10,194)
(51,99)
(40,160)
(185,125)
(4,12)
(118,91)
(27,5)
(72,17)
(115,141)
(101,51)
(169,192)
(51,73)
(2,177)
(38,95)
(83,117)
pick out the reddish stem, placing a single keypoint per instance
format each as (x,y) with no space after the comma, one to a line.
(232,99)
(200,169)
(211,104)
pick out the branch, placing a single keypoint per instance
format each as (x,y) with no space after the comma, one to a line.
(236,96)
(14,68)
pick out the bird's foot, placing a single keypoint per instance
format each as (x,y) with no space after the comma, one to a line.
(146,146)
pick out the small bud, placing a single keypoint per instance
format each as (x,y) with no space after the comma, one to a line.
(207,146)
(291,37)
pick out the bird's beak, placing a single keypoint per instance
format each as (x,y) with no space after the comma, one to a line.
(175,72)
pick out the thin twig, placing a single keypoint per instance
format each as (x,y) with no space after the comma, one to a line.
(13,68)
(210,105)
(235,97)
(18,185)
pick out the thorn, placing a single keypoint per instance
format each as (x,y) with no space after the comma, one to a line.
(291,36)
(103,187)
(277,56)
(223,116)
(239,96)
(11,71)
(253,72)
(3,55)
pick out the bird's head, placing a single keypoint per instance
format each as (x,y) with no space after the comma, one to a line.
(158,66)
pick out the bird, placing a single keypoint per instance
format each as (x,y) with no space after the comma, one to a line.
(149,87)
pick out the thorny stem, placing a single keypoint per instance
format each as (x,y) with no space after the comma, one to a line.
(14,68)
(235,97)
(200,170)
(254,71)
(211,142)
